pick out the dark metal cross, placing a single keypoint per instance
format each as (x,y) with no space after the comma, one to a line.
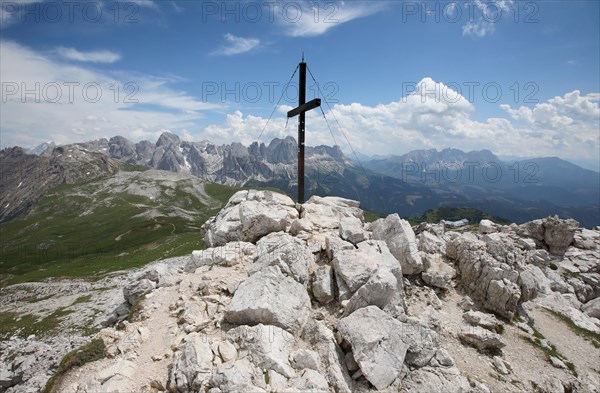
(301,110)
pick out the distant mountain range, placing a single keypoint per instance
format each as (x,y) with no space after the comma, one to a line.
(409,184)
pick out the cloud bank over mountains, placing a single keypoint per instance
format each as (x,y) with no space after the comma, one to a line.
(59,95)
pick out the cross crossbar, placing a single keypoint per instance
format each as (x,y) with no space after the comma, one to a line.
(312,104)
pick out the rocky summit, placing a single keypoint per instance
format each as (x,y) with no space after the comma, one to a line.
(311,298)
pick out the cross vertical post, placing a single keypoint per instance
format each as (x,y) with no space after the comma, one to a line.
(301,130)
(301,110)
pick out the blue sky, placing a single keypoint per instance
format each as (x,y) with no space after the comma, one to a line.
(519,78)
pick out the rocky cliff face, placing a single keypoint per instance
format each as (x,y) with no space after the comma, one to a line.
(26,177)
(232,164)
(310,298)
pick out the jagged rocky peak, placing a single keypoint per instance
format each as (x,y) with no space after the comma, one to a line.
(167,139)
(42,148)
(121,148)
(310,297)
(283,150)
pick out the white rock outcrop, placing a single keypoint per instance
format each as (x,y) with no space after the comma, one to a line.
(270,298)
(309,298)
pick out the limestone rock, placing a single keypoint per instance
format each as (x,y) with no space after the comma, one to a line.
(351,229)
(237,376)
(268,346)
(377,344)
(380,290)
(400,239)
(559,234)
(482,338)
(592,308)
(533,282)
(227,351)
(434,379)
(259,218)
(438,273)
(322,285)
(478,318)
(487,226)
(327,212)
(429,243)
(305,358)
(280,249)
(248,216)
(134,291)
(270,298)
(191,363)
(487,280)
(332,358)
(310,381)
(230,254)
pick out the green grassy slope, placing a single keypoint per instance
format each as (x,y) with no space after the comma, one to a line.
(87,230)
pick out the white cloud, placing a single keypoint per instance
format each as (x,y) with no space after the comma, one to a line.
(101,56)
(62,103)
(145,3)
(237,45)
(435,116)
(489,13)
(308,18)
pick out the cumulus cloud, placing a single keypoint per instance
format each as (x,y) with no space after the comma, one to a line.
(44,98)
(101,56)
(435,116)
(237,45)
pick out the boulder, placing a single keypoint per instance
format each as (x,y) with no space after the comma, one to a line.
(491,282)
(236,376)
(332,358)
(270,298)
(305,358)
(226,351)
(533,282)
(431,244)
(534,229)
(191,364)
(248,216)
(482,339)
(135,290)
(259,218)
(487,226)
(377,345)
(230,254)
(268,346)
(310,381)
(351,229)
(559,234)
(380,290)
(438,273)
(478,318)
(290,254)
(300,225)
(327,212)
(322,285)
(435,379)
(356,266)
(592,308)
(400,239)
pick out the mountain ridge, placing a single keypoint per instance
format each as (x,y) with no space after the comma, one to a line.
(408,184)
